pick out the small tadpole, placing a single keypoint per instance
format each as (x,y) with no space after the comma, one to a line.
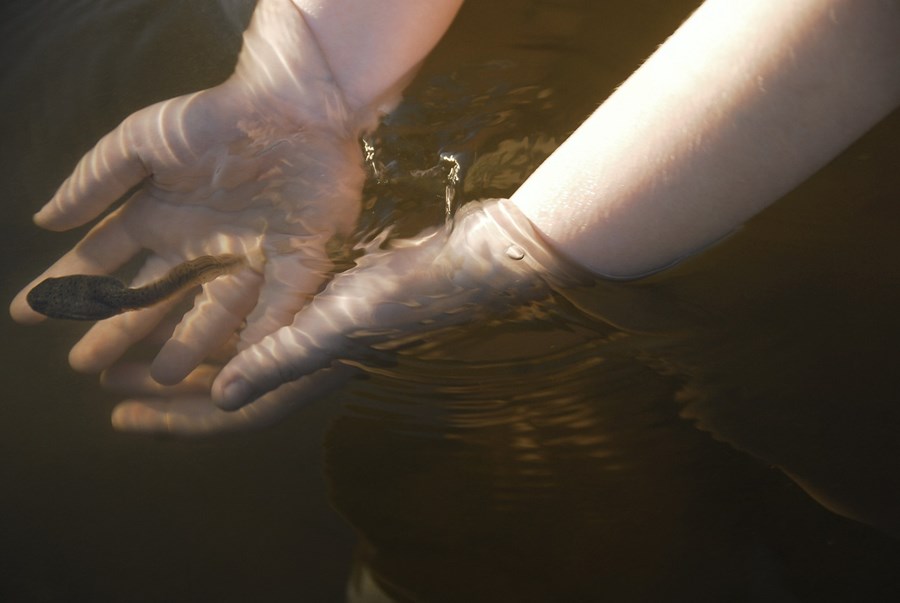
(99,296)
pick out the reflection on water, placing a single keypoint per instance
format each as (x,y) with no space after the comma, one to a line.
(620,444)
(544,459)
(557,476)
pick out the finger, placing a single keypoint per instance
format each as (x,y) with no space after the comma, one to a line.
(387,295)
(152,137)
(356,302)
(197,416)
(290,282)
(189,416)
(161,332)
(134,379)
(100,178)
(108,339)
(216,316)
(164,330)
(104,249)
(311,343)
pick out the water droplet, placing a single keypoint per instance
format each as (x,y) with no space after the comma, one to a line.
(514,252)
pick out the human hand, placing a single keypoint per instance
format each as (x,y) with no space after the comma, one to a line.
(489,260)
(186,410)
(266,166)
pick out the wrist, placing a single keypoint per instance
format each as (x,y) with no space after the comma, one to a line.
(495,260)
(283,69)
(375,48)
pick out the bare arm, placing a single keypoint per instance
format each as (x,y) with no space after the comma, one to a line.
(740,105)
(374,47)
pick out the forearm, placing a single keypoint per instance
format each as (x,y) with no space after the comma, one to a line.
(373,48)
(338,61)
(740,105)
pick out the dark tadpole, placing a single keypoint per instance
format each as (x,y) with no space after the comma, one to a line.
(95,297)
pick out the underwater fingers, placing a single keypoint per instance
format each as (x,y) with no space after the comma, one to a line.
(218,313)
(184,411)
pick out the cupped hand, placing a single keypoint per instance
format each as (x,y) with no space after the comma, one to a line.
(490,260)
(239,168)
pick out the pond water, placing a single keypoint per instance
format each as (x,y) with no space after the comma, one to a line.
(621,443)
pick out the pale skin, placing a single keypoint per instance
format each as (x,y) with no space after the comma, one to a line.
(741,104)
(208,189)
(215,169)
(744,102)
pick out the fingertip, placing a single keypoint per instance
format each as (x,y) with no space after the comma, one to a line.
(103,175)
(82,361)
(92,354)
(48,218)
(232,394)
(134,417)
(109,339)
(217,314)
(61,212)
(173,363)
(21,312)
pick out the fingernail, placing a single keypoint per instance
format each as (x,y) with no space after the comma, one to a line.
(234,395)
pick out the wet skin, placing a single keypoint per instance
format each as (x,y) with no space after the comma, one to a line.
(95,297)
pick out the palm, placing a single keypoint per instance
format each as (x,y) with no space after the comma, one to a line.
(217,175)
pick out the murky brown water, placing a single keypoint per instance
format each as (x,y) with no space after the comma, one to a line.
(561,455)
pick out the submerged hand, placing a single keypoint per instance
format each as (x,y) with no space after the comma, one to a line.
(489,260)
(185,409)
(265,166)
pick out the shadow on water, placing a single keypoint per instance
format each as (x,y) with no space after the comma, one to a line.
(621,443)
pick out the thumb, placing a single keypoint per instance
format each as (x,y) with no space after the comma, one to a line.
(357,304)
(489,261)
(311,343)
